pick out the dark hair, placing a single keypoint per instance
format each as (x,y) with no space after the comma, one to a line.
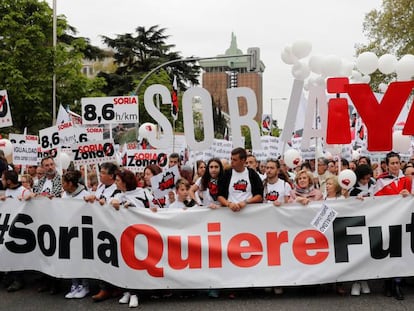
(363,170)
(12,176)
(344,162)
(366,158)
(128,178)
(46,158)
(241,152)
(155,169)
(305,165)
(110,167)
(205,179)
(182,181)
(276,161)
(391,155)
(72,176)
(174,155)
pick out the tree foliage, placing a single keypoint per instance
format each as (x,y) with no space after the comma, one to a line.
(389,30)
(138,53)
(28,61)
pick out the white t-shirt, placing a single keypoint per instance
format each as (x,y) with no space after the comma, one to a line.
(209,195)
(277,191)
(47,186)
(16,193)
(138,197)
(78,195)
(105,191)
(240,188)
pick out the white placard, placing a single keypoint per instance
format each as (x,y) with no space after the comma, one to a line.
(324,218)
(138,160)
(49,137)
(24,149)
(5,113)
(107,110)
(164,182)
(93,152)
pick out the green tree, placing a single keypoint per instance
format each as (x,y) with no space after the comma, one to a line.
(389,30)
(28,60)
(138,53)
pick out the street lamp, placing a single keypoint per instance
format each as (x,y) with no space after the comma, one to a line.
(271,103)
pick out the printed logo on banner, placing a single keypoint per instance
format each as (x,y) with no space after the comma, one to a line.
(106,110)
(165,181)
(93,152)
(137,160)
(5,114)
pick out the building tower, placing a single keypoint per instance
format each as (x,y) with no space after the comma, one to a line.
(243,71)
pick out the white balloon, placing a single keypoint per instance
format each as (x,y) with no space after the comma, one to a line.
(145,128)
(6,146)
(347,179)
(387,63)
(301,48)
(347,67)
(287,56)
(366,79)
(367,62)
(355,155)
(328,155)
(356,76)
(400,143)
(300,70)
(320,81)
(405,67)
(332,65)
(316,63)
(383,87)
(64,160)
(292,158)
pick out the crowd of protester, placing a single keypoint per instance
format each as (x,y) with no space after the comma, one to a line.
(214,184)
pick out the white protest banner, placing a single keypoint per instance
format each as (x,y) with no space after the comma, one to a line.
(261,155)
(137,160)
(271,145)
(68,135)
(49,137)
(222,148)
(204,248)
(24,149)
(324,218)
(106,110)
(93,152)
(164,182)
(5,112)
(53,153)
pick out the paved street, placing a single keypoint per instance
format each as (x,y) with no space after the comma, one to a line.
(324,298)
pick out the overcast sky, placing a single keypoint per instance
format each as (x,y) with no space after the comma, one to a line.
(203,28)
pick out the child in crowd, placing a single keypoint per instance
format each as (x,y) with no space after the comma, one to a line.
(183,201)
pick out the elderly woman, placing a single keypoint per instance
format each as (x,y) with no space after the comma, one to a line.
(304,191)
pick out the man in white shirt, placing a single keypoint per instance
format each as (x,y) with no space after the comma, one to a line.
(240,185)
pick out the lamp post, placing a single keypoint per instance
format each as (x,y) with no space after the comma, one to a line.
(54,64)
(271,103)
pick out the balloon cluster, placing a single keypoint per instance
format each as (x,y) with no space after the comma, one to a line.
(333,66)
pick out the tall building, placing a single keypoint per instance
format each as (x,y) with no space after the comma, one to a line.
(244,71)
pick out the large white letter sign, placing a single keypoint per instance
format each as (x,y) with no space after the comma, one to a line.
(236,120)
(207,114)
(292,112)
(317,107)
(167,138)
